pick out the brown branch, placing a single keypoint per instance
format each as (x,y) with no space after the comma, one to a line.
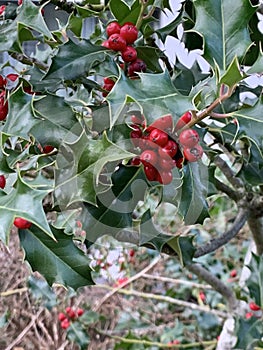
(216,243)
(236,196)
(28,60)
(227,171)
(216,283)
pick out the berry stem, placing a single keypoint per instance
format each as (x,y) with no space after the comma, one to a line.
(144,4)
(197,117)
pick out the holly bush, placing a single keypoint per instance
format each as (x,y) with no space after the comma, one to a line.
(107,130)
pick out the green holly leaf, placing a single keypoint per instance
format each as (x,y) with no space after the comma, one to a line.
(222,31)
(125,13)
(250,121)
(155,93)
(114,209)
(8,37)
(53,127)
(78,335)
(58,260)
(42,291)
(255,280)
(26,202)
(151,57)
(193,206)
(153,236)
(74,60)
(233,74)
(257,67)
(79,166)
(20,117)
(249,333)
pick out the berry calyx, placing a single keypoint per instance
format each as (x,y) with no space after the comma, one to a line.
(113,28)
(129,54)
(254,307)
(117,43)
(129,33)
(2,181)
(22,223)
(193,154)
(189,138)
(183,120)
(159,137)
(137,66)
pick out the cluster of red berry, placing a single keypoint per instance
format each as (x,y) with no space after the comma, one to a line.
(162,149)
(121,39)
(70,316)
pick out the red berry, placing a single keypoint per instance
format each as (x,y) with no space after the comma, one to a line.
(113,28)
(183,120)
(61,316)
(65,324)
(2,181)
(48,148)
(136,66)
(22,223)
(80,312)
(254,307)
(129,54)
(135,161)
(149,157)
(202,296)
(165,164)
(170,148)
(117,43)
(249,315)
(150,172)
(107,88)
(189,138)
(106,44)
(2,82)
(12,76)
(19,2)
(129,33)
(179,162)
(165,177)
(159,137)
(108,81)
(2,9)
(132,253)
(164,123)
(3,106)
(193,154)
(233,273)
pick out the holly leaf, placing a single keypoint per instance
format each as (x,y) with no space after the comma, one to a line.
(250,121)
(153,236)
(233,74)
(193,206)
(41,291)
(20,117)
(222,31)
(79,165)
(248,332)
(114,209)
(155,93)
(26,202)
(257,67)
(58,260)
(74,60)
(151,57)
(255,280)
(125,13)
(30,16)
(53,127)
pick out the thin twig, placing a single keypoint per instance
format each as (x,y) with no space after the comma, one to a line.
(13,291)
(158,344)
(216,243)
(167,299)
(25,331)
(236,196)
(131,279)
(29,60)
(177,281)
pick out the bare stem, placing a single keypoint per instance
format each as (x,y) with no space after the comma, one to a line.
(144,4)
(29,60)
(216,243)
(227,171)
